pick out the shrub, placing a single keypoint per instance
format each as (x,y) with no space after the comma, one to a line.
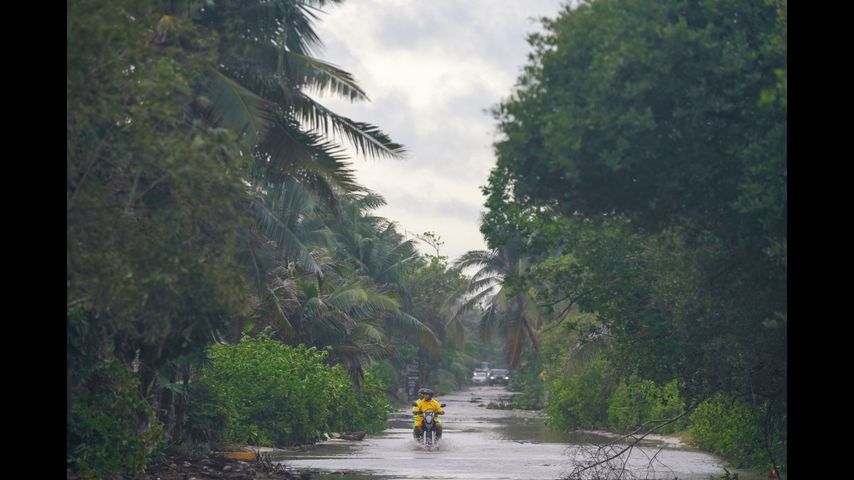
(635,402)
(526,380)
(263,392)
(110,429)
(729,428)
(580,400)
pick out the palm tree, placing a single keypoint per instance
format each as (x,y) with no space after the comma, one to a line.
(266,66)
(258,87)
(287,216)
(508,308)
(372,244)
(339,310)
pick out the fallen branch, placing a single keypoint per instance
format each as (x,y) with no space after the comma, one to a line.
(608,461)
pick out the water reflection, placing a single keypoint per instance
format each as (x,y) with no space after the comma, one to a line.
(480,443)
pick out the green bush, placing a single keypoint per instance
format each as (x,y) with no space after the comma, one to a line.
(526,380)
(365,410)
(580,400)
(111,430)
(208,416)
(635,402)
(729,428)
(263,392)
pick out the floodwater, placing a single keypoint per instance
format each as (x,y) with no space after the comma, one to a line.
(486,444)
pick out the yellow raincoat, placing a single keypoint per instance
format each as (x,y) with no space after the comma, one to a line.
(425,406)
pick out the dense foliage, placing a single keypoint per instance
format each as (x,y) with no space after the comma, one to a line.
(277,395)
(227,279)
(207,201)
(642,169)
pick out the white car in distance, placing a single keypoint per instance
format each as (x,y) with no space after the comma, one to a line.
(479,376)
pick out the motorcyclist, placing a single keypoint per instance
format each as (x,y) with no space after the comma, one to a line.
(417,415)
(426,404)
(420,397)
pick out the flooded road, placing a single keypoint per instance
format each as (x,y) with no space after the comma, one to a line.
(481,443)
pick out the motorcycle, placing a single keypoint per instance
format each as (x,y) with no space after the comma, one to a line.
(428,437)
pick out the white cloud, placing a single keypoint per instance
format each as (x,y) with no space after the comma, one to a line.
(431,69)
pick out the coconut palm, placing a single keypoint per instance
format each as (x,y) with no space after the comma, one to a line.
(266,68)
(372,244)
(339,310)
(507,308)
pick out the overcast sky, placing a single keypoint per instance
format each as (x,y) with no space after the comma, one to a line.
(431,69)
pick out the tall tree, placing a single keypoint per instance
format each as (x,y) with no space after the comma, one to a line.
(667,113)
(264,71)
(508,305)
(155,206)
(668,119)
(186,120)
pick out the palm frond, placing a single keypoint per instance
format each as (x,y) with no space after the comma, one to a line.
(367,139)
(379,350)
(408,322)
(474,258)
(279,75)
(323,77)
(289,243)
(366,200)
(288,23)
(282,320)
(289,152)
(372,333)
(480,284)
(376,305)
(338,320)
(497,271)
(260,257)
(321,237)
(474,301)
(314,307)
(353,358)
(237,108)
(488,323)
(348,298)
(391,259)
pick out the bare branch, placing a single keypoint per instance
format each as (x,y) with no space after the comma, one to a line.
(608,461)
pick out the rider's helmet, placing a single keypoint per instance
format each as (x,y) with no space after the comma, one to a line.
(427,391)
(421,390)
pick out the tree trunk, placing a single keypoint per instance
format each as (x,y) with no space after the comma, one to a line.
(534,342)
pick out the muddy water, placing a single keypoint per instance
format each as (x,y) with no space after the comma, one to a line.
(481,443)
